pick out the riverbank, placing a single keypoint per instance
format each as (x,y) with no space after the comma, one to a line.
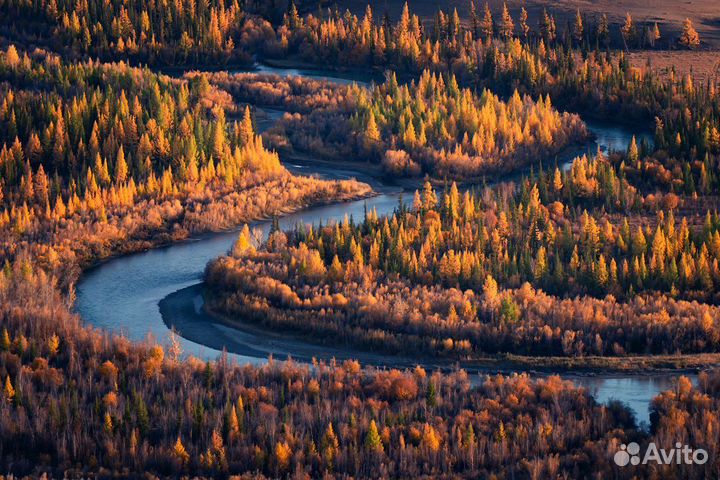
(374,175)
(177,231)
(185,311)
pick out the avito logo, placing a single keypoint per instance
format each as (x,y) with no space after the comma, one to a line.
(682,454)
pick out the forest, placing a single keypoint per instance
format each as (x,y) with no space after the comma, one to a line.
(118,158)
(435,128)
(125,126)
(72,396)
(501,271)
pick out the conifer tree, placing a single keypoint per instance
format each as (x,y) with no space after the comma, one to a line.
(628,30)
(506,26)
(329,446)
(12,59)
(246,132)
(486,25)
(474,21)
(180,453)
(633,153)
(244,244)
(655,34)
(372,133)
(578,28)
(524,27)
(5,342)
(373,442)
(121,168)
(603,31)
(689,37)
(430,438)
(9,391)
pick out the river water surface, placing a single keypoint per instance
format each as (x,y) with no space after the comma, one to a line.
(123,295)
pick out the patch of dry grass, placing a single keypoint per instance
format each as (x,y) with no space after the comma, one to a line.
(704,65)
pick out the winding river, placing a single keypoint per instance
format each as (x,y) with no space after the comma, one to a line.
(139,295)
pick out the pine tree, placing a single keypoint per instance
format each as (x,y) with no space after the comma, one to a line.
(578,28)
(41,186)
(5,342)
(540,264)
(603,31)
(141,412)
(557,181)
(430,438)
(655,35)
(121,168)
(632,153)
(689,37)
(431,395)
(233,422)
(474,22)
(524,27)
(628,30)
(506,26)
(373,442)
(372,133)
(486,25)
(490,291)
(283,454)
(429,199)
(133,442)
(500,434)
(12,59)
(246,130)
(404,23)
(547,27)
(220,147)
(293,16)
(8,390)
(336,272)
(108,423)
(243,245)
(601,271)
(180,453)
(329,445)
(639,243)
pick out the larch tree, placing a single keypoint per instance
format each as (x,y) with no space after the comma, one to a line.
(655,34)
(372,133)
(628,30)
(633,153)
(474,22)
(603,31)
(244,244)
(506,27)
(121,167)
(373,442)
(180,453)
(486,25)
(9,391)
(246,131)
(329,445)
(430,438)
(689,37)
(524,27)
(12,59)
(578,28)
